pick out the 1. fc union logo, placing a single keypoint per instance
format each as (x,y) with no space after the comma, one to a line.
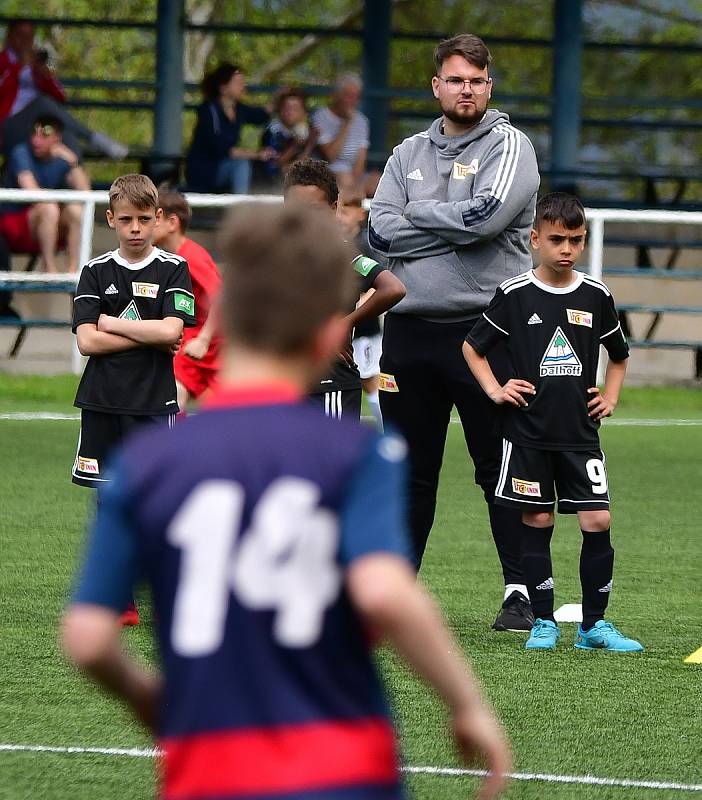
(560,358)
(529,488)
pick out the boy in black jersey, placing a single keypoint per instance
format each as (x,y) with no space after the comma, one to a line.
(367,334)
(339,392)
(129,311)
(553,320)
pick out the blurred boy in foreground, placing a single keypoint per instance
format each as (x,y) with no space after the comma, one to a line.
(274,541)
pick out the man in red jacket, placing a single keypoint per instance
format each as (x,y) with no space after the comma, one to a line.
(24,73)
(28,88)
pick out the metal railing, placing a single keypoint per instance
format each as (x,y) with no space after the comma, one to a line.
(597,219)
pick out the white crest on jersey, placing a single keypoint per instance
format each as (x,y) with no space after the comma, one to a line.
(560,358)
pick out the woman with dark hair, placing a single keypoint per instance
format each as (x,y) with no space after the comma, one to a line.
(215,162)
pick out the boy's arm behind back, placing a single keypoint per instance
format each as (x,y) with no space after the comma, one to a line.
(388,290)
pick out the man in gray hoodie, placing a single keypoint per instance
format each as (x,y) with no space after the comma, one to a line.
(452,214)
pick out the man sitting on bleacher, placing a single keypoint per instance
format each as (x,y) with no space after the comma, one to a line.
(44,162)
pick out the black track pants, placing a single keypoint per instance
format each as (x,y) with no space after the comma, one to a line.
(425,361)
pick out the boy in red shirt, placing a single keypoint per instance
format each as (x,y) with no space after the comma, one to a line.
(195,365)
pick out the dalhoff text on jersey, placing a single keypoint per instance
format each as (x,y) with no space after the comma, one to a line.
(560,358)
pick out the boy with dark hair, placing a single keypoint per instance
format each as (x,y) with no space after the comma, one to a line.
(129,311)
(271,550)
(195,364)
(553,320)
(339,393)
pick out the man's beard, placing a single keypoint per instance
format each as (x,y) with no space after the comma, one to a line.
(469,119)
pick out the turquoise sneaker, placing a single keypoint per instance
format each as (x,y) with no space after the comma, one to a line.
(544,635)
(604,636)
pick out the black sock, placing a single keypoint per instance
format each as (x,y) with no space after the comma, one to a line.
(596,567)
(507,531)
(538,572)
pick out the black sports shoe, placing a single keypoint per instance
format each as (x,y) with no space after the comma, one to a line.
(515,614)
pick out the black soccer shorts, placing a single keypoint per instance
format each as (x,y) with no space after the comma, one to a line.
(99,434)
(529,476)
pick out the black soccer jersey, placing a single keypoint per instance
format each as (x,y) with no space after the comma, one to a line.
(341,376)
(138,381)
(553,337)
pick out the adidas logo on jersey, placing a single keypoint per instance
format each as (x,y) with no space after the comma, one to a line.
(606,589)
(111,289)
(534,319)
(416,175)
(546,585)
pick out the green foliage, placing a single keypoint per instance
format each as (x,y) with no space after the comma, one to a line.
(617,84)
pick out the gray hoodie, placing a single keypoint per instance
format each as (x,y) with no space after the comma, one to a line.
(452,214)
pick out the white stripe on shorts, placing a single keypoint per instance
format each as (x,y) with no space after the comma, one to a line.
(504,469)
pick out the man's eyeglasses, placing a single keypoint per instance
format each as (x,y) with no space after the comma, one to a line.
(44,130)
(476,85)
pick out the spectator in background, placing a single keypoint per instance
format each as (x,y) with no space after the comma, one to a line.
(28,87)
(288,134)
(343,136)
(24,72)
(215,161)
(44,162)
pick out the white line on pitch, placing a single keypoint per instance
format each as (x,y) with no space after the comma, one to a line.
(586,780)
(37,415)
(645,423)
(133,752)
(653,423)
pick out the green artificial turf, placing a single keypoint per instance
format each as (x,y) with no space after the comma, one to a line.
(37,393)
(567,713)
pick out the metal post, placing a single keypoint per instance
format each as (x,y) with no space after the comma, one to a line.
(567,92)
(87,226)
(596,246)
(377,15)
(170,88)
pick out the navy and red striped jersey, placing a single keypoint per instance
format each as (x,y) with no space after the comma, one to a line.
(244,520)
